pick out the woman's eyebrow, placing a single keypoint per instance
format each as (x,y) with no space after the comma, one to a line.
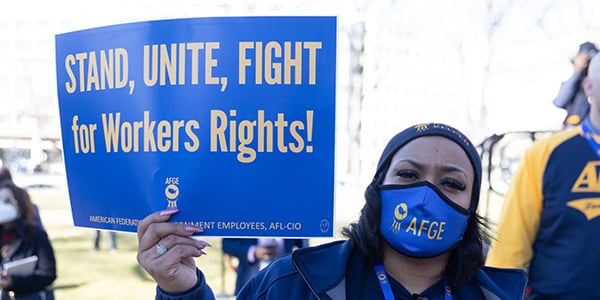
(455,168)
(408,161)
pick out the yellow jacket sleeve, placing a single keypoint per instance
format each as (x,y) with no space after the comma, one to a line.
(520,217)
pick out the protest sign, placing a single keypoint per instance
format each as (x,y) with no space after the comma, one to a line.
(229,119)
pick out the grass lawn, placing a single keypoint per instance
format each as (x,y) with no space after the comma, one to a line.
(101,275)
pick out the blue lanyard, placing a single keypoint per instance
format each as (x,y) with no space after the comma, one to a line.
(387,289)
(589,137)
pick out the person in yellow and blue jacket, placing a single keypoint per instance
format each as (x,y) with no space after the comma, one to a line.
(550,221)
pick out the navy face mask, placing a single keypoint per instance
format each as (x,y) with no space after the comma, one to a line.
(418,220)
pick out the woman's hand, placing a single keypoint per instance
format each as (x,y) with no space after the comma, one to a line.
(5,280)
(167,250)
(580,62)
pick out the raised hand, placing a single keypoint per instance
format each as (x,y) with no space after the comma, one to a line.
(167,250)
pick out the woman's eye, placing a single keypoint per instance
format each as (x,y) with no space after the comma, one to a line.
(454,184)
(406,174)
(6,200)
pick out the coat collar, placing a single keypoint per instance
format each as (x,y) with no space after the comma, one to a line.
(310,262)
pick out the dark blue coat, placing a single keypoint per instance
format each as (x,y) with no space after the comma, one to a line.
(238,247)
(320,273)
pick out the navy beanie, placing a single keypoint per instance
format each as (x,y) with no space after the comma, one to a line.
(434,129)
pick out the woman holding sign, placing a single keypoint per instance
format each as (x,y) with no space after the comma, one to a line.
(418,237)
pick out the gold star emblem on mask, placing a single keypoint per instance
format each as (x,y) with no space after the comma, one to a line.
(421,127)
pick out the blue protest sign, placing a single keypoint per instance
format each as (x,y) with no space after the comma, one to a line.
(231,120)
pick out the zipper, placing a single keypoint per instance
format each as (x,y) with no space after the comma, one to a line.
(305,279)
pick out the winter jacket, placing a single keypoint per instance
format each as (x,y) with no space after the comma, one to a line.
(320,273)
(551,218)
(31,240)
(239,247)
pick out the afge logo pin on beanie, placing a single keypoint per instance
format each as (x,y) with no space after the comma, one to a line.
(435,129)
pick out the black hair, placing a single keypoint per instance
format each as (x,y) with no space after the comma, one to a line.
(5,174)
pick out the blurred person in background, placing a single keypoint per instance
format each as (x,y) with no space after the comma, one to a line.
(550,221)
(571,96)
(418,237)
(5,175)
(22,237)
(255,254)
(112,247)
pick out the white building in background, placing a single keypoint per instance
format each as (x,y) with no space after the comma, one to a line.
(482,66)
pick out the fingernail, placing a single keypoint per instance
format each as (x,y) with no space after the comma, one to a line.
(203,252)
(193,229)
(168,212)
(204,243)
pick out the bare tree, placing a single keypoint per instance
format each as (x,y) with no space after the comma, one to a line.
(356,36)
(496,12)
